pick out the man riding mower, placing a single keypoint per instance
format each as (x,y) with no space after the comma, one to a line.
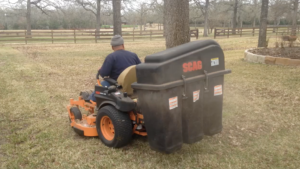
(175,97)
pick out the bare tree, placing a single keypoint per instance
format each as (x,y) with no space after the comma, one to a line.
(235,7)
(98,8)
(37,3)
(294,20)
(262,39)
(205,12)
(142,10)
(117,17)
(28,18)
(177,22)
(205,32)
(159,11)
(86,13)
(219,14)
(91,6)
(254,13)
(278,8)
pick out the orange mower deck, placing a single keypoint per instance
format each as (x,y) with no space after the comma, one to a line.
(87,126)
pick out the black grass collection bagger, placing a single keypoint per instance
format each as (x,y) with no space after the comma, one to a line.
(175,97)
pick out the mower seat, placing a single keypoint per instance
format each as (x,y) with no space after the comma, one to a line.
(126,78)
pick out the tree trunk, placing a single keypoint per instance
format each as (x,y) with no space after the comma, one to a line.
(254,12)
(141,29)
(5,23)
(28,19)
(164,21)
(98,19)
(205,33)
(177,19)
(234,16)
(294,24)
(274,26)
(254,22)
(241,22)
(262,39)
(141,18)
(117,17)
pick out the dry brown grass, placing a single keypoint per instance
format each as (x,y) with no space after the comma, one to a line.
(261,112)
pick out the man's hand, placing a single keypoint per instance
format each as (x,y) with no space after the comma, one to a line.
(98,74)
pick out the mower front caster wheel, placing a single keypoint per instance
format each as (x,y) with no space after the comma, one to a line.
(114,128)
(76,113)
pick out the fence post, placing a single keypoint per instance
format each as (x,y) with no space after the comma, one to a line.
(133,34)
(197,32)
(52,36)
(74,36)
(25,37)
(96,36)
(253,31)
(151,35)
(228,33)
(215,33)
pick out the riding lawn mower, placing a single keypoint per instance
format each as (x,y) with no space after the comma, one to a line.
(174,97)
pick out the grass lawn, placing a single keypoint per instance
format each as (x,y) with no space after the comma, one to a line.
(261,115)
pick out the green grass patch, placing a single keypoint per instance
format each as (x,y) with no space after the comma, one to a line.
(261,116)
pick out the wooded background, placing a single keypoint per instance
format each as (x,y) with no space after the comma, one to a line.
(141,14)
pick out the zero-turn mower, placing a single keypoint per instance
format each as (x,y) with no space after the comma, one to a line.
(175,97)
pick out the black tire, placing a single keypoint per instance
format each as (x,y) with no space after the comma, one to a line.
(122,127)
(76,112)
(78,116)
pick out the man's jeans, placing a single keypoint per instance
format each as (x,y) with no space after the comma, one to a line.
(104,84)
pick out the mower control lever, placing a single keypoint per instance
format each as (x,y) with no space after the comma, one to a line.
(98,79)
(112,89)
(110,81)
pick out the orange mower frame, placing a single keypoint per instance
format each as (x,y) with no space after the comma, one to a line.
(88,122)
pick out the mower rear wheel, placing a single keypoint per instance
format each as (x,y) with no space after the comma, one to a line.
(114,128)
(76,113)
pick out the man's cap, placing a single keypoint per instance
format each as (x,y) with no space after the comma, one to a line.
(117,40)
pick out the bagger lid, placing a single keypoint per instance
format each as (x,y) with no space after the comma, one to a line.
(179,50)
(190,60)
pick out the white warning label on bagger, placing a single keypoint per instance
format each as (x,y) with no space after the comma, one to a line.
(214,61)
(218,90)
(196,95)
(173,102)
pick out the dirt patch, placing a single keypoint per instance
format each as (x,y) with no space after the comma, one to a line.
(290,52)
